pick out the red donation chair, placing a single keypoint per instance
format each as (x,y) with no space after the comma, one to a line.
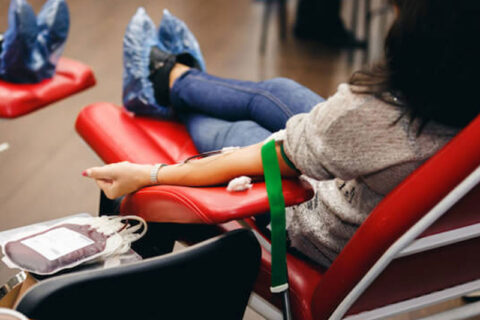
(70,77)
(418,247)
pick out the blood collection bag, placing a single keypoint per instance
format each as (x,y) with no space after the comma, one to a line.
(72,242)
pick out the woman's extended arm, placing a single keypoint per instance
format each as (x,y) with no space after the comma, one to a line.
(124,177)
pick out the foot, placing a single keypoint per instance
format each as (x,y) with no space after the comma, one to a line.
(138,95)
(175,37)
(53,23)
(16,63)
(161,66)
(146,67)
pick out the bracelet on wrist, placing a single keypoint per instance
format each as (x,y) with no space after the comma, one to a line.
(154,172)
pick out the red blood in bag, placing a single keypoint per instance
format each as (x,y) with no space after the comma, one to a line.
(26,257)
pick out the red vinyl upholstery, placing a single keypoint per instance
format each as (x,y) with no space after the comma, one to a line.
(315,293)
(18,99)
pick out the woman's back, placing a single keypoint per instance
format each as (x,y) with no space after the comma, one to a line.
(361,148)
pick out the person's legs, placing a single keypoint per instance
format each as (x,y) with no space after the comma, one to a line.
(269,103)
(209,133)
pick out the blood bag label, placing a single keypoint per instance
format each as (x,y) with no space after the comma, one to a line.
(57,242)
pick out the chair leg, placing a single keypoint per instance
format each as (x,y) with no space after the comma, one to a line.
(367,21)
(267,12)
(354,17)
(158,240)
(366,28)
(282,18)
(354,28)
(109,207)
(287,311)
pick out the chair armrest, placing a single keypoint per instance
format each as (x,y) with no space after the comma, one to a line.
(208,204)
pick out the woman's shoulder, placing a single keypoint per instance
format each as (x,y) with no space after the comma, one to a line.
(350,111)
(345,100)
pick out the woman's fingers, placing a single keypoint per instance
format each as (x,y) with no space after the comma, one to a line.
(109,171)
(120,178)
(107,187)
(105,173)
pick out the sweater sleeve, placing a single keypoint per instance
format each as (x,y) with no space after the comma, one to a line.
(347,136)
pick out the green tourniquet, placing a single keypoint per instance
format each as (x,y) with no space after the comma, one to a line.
(273,182)
(285,158)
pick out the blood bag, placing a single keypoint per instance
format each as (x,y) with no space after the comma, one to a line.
(72,242)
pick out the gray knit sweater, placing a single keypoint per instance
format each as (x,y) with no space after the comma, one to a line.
(356,153)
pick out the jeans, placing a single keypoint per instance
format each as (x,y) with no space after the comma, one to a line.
(225,112)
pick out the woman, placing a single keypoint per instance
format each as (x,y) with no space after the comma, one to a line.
(357,145)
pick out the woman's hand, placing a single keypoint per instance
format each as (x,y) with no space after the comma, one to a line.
(120,178)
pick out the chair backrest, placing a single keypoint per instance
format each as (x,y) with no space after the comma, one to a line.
(211,280)
(404,207)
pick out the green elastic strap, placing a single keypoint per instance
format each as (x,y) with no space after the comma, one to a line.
(273,182)
(285,158)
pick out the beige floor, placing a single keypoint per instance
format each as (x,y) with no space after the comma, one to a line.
(40,171)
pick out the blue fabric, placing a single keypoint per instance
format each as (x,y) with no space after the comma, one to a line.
(222,112)
(139,37)
(32,45)
(53,22)
(173,36)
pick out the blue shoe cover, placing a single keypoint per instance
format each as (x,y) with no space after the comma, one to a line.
(175,37)
(53,23)
(138,95)
(140,36)
(16,61)
(32,46)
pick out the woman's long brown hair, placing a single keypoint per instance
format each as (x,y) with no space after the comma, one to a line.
(432,63)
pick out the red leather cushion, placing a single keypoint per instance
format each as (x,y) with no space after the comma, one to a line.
(18,99)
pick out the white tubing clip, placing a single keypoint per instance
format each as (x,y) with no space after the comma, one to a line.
(280,288)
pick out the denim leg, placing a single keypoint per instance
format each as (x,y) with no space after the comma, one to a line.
(210,133)
(269,103)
